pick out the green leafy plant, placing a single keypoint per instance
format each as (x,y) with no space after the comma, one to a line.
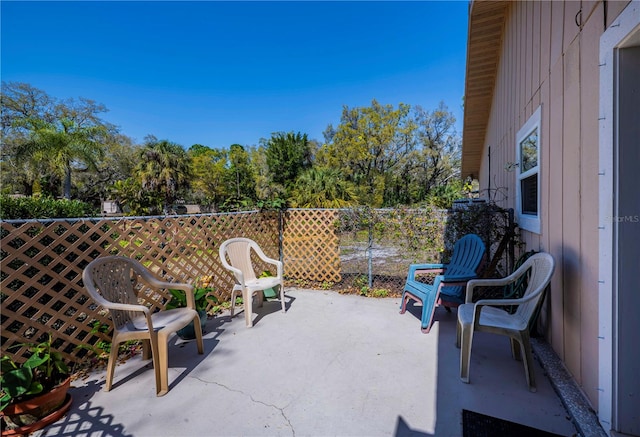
(380,292)
(496,228)
(327,285)
(102,347)
(272,204)
(269,292)
(41,372)
(203,293)
(361,281)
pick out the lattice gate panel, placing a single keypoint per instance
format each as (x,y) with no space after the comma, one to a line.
(260,227)
(310,245)
(42,261)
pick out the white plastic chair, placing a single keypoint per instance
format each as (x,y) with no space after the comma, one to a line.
(111,282)
(235,255)
(484,316)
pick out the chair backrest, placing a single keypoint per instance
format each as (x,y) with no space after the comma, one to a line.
(539,267)
(467,256)
(113,279)
(237,253)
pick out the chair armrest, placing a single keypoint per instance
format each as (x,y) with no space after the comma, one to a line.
(500,302)
(486,283)
(154,282)
(189,292)
(477,307)
(124,307)
(238,275)
(274,262)
(424,268)
(457,278)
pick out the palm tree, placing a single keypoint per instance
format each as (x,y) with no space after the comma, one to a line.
(62,146)
(322,188)
(164,167)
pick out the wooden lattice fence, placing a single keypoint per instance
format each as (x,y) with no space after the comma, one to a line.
(311,249)
(42,261)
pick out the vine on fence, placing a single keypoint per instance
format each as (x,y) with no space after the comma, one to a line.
(497,229)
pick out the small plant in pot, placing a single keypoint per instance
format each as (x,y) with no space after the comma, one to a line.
(203,293)
(269,292)
(33,393)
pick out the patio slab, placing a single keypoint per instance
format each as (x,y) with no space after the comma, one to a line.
(332,365)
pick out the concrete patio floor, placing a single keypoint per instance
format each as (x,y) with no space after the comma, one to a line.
(334,364)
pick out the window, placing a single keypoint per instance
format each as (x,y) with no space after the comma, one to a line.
(528,174)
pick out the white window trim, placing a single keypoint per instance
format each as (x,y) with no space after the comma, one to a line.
(528,222)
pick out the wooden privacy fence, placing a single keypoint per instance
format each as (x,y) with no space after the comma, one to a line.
(42,262)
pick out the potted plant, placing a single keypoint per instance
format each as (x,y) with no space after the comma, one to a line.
(34,393)
(203,293)
(269,292)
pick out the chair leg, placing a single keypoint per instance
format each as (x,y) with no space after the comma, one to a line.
(146,350)
(465,351)
(111,365)
(528,360)
(282,297)
(155,354)
(458,333)
(198,331)
(233,302)
(162,362)
(515,349)
(428,310)
(247,296)
(403,304)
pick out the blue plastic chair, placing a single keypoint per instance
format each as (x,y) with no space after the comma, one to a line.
(447,288)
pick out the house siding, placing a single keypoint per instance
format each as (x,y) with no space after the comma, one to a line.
(549,57)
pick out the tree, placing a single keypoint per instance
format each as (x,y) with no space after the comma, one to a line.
(430,162)
(240,177)
(367,145)
(287,156)
(267,191)
(440,147)
(134,200)
(118,163)
(165,168)
(47,139)
(210,168)
(322,188)
(21,101)
(63,145)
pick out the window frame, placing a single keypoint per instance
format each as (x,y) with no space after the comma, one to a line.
(529,222)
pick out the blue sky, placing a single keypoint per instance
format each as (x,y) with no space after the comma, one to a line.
(218,73)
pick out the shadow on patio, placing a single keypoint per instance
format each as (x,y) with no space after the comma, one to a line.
(332,365)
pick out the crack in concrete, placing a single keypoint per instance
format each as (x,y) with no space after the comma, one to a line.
(257,401)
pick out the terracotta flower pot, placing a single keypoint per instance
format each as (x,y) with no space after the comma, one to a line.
(36,413)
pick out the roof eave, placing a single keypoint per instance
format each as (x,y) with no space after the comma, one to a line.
(484,43)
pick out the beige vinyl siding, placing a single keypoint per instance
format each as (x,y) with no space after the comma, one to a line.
(547,59)
(589,185)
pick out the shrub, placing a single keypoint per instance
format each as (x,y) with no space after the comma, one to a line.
(12,208)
